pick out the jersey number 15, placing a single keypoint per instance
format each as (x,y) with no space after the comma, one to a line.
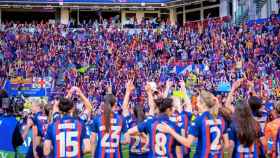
(66,141)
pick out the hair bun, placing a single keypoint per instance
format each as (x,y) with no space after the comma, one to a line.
(163,103)
(158,101)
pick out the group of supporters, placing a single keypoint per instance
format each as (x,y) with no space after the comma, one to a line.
(205,55)
(170,128)
(149,117)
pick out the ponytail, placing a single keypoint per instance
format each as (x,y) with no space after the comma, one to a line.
(139,113)
(109,101)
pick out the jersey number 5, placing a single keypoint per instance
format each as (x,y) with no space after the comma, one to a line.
(66,141)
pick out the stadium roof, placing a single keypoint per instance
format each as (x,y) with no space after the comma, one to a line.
(162,3)
(84,1)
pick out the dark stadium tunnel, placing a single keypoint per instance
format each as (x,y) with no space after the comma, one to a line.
(89,17)
(18,16)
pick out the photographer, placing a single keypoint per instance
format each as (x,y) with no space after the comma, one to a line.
(10,137)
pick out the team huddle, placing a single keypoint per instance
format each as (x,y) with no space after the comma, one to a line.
(169,128)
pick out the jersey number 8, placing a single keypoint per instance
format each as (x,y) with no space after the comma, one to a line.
(160,144)
(66,141)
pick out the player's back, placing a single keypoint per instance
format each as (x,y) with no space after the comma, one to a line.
(67,134)
(139,143)
(183,121)
(41,122)
(209,132)
(162,144)
(108,144)
(241,150)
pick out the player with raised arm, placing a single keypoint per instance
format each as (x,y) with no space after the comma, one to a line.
(151,96)
(186,116)
(107,127)
(161,144)
(67,134)
(85,116)
(208,128)
(182,114)
(139,142)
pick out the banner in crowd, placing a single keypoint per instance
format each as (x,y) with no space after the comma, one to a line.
(35,87)
(182,69)
(179,94)
(224,87)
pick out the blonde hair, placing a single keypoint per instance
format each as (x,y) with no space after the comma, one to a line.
(210,101)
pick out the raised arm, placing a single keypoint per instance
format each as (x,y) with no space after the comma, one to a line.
(109,89)
(129,88)
(84,99)
(150,99)
(251,88)
(55,107)
(168,85)
(229,100)
(70,93)
(186,98)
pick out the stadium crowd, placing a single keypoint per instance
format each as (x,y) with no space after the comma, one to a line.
(218,52)
(140,68)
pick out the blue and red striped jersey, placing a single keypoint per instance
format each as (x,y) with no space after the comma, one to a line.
(139,143)
(108,143)
(161,144)
(41,122)
(209,132)
(240,150)
(183,121)
(84,117)
(67,135)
